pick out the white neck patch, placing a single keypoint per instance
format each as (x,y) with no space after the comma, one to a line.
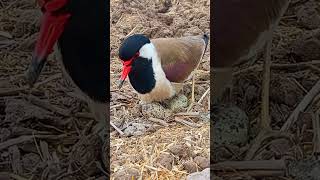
(147,51)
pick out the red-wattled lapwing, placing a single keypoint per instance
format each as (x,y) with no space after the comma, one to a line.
(241,29)
(157,68)
(76,29)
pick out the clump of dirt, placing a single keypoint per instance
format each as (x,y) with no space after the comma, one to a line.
(180,150)
(166,160)
(190,166)
(126,173)
(202,162)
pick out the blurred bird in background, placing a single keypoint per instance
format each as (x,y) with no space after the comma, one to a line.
(75,30)
(241,30)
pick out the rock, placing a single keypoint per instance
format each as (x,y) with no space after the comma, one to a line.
(165,160)
(231,126)
(203,175)
(202,162)
(190,166)
(127,173)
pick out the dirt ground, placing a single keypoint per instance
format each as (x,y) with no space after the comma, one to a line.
(169,149)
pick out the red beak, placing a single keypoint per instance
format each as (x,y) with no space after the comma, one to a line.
(52,26)
(127,65)
(125,71)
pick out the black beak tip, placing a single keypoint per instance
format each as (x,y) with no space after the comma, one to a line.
(34,71)
(31,76)
(120,83)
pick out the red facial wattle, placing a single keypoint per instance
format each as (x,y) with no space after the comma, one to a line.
(127,65)
(52,26)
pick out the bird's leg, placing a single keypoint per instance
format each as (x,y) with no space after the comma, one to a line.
(265,116)
(192,93)
(193,83)
(222,78)
(100,112)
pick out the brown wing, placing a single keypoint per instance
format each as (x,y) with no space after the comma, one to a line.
(180,56)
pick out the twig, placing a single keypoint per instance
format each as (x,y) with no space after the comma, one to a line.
(249,165)
(182,121)
(263,136)
(256,173)
(117,105)
(204,95)
(314,67)
(261,168)
(159,121)
(12,92)
(84,115)
(75,171)
(132,31)
(17,177)
(265,114)
(28,138)
(46,105)
(301,107)
(50,78)
(15,159)
(299,85)
(117,129)
(279,66)
(316,133)
(188,114)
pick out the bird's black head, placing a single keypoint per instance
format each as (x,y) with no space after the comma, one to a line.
(129,51)
(131,46)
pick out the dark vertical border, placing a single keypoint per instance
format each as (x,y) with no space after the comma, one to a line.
(212,58)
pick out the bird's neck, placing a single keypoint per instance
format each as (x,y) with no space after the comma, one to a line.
(83,49)
(142,75)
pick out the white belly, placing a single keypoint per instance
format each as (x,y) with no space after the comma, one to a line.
(162,90)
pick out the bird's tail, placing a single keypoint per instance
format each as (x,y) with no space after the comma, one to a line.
(205,37)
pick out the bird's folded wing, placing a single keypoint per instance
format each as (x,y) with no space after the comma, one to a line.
(179,56)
